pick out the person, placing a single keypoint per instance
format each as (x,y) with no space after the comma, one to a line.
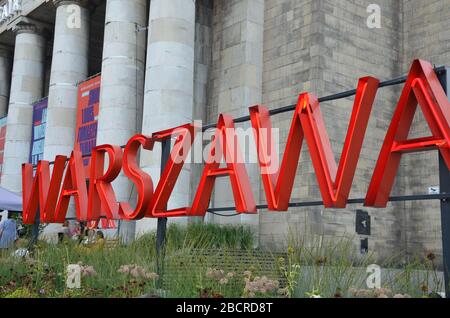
(60,237)
(88,237)
(100,235)
(75,231)
(65,229)
(8,233)
(99,241)
(83,233)
(89,245)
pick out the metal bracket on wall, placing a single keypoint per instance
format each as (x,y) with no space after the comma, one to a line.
(362,223)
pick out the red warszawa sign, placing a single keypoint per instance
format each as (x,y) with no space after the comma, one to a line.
(51,192)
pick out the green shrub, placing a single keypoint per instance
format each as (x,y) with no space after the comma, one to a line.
(210,261)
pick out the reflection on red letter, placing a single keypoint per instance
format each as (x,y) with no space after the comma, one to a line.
(106,224)
(74,185)
(334,182)
(185,137)
(101,192)
(141,180)
(40,191)
(224,143)
(278,181)
(423,87)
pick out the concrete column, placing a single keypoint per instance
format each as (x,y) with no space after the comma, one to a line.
(69,66)
(202,70)
(26,87)
(240,52)
(5,78)
(122,91)
(168,99)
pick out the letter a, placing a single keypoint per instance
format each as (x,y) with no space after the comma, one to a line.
(74,185)
(334,181)
(224,143)
(423,87)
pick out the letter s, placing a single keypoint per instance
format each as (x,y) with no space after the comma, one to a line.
(141,180)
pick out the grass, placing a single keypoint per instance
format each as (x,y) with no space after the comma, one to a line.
(205,260)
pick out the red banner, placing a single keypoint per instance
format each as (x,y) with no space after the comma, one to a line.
(86,127)
(87,116)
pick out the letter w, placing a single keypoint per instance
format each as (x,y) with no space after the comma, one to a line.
(334,181)
(40,191)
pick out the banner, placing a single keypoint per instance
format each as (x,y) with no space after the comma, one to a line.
(86,129)
(87,115)
(38,131)
(2,141)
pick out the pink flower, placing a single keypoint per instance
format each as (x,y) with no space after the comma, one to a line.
(152,276)
(261,285)
(88,271)
(137,271)
(223,281)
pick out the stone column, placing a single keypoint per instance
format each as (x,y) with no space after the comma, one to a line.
(240,52)
(122,91)
(5,78)
(168,99)
(202,70)
(69,66)
(27,83)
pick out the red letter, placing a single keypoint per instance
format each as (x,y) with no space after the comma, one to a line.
(106,224)
(74,185)
(101,192)
(334,182)
(423,87)
(142,181)
(240,183)
(186,135)
(40,191)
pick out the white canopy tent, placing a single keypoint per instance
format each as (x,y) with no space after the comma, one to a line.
(10,201)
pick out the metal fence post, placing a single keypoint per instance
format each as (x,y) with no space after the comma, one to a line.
(162,222)
(444,186)
(35,231)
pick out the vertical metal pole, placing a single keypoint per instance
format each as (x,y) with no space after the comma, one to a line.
(444,180)
(162,222)
(444,185)
(35,231)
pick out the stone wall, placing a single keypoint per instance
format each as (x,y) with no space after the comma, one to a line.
(426,34)
(202,70)
(324,47)
(236,84)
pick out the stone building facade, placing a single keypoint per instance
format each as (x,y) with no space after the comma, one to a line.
(167,62)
